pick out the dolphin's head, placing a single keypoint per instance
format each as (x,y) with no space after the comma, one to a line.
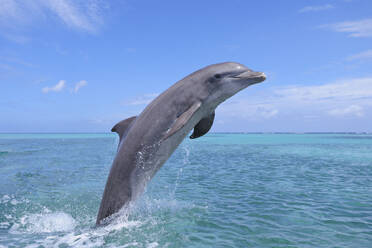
(226,79)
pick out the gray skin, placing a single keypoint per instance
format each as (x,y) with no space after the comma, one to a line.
(148,140)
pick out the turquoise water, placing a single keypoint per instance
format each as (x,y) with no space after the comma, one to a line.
(221,190)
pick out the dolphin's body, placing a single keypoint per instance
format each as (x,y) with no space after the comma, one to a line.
(148,140)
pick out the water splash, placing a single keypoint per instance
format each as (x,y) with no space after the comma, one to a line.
(46,222)
(186,154)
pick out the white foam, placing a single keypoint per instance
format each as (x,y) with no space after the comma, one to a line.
(14,202)
(119,221)
(132,244)
(44,223)
(5,199)
(4,225)
(153,245)
(93,237)
(86,239)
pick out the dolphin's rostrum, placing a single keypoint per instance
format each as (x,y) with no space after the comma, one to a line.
(147,141)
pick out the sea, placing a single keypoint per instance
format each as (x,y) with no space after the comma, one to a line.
(220,190)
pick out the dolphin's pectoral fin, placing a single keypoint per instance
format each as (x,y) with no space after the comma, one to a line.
(123,126)
(203,126)
(182,120)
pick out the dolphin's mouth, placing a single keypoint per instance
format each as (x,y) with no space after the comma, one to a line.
(251,76)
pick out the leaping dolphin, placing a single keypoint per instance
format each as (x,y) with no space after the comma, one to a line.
(148,140)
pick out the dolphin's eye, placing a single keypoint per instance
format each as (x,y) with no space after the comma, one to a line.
(218,76)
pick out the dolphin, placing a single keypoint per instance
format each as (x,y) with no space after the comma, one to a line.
(149,139)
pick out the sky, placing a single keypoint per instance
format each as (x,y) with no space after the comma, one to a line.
(84,65)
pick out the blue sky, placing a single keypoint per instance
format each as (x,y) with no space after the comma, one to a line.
(82,66)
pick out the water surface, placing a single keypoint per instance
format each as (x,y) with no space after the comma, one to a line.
(221,190)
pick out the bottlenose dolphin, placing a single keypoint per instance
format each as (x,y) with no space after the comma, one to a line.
(148,140)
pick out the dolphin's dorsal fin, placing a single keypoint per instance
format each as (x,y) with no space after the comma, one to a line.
(123,126)
(182,120)
(203,126)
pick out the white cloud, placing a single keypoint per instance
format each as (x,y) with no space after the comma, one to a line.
(80,15)
(85,15)
(9,9)
(79,85)
(353,110)
(316,8)
(56,88)
(347,97)
(361,28)
(142,100)
(347,89)
(361,56)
